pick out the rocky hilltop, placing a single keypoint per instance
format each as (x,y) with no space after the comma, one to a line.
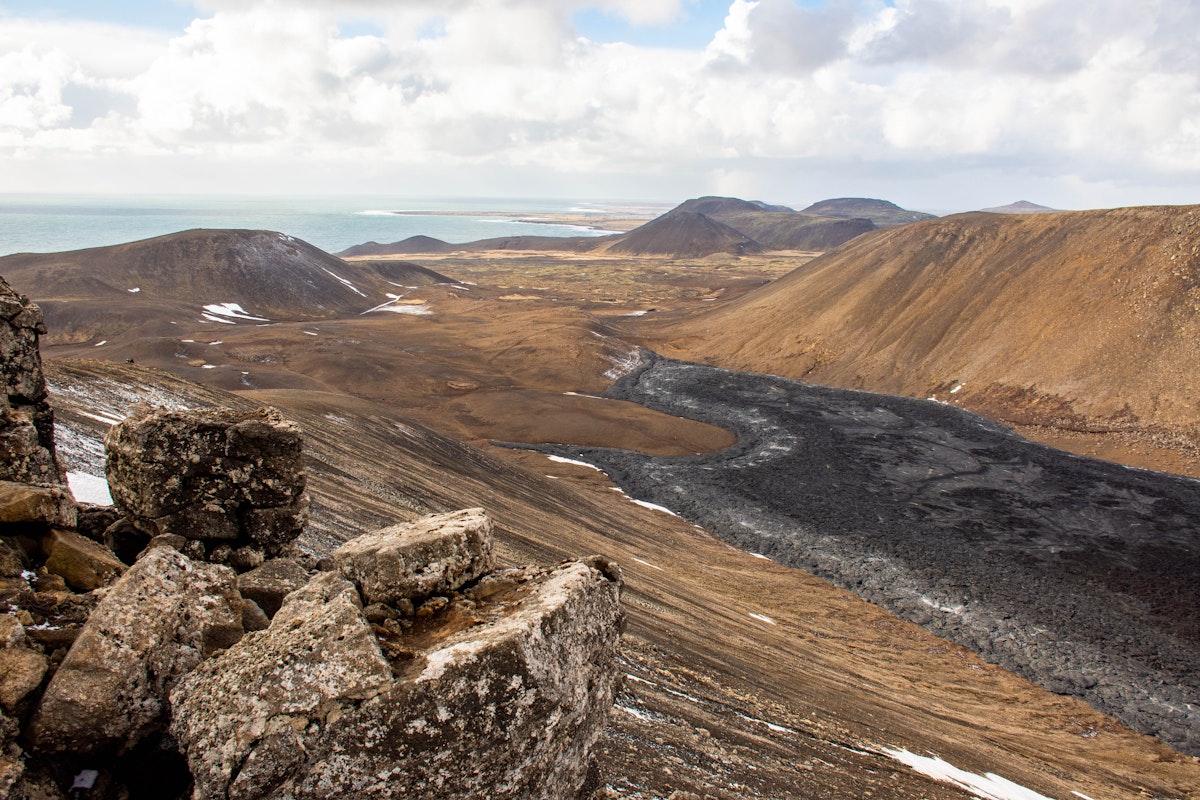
(180,644)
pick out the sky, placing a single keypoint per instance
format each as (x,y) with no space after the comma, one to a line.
(933,104)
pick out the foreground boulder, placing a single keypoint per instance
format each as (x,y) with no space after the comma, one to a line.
(231,483)
(161,619)
(498,691)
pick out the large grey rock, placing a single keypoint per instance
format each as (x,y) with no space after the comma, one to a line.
(26,421)
(503,699)
(218,475)
(434,555)
(154,625)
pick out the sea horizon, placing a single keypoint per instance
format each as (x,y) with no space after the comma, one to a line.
(46,223)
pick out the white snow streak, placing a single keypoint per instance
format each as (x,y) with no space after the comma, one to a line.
(988,786)
(761,618)
(651,566)
(562,460)
(348,284)
(654,507)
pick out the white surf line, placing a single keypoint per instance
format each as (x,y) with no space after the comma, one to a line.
(348,284)
(988,786)
(761,618)
(648,564)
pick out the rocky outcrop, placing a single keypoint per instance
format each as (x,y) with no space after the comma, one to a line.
(26,421)
(498,691)
(231,484)
(153,626)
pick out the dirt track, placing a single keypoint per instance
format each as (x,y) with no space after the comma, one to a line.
(1079,574)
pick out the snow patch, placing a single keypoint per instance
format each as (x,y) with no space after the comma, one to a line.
(635,314)
(956,388)
(135,290)
(101,343)
(312,333)
(232,311)
(760,555)
(651,566)
(89,488)
(988,786)
(769,725)
(761,618)
(414,311)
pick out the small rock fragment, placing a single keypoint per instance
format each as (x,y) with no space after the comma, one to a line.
(268,584)
(82,563)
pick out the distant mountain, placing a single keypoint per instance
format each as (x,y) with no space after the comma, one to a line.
(771,227)
(1083,319)
(721,206)
(883,213)
(684,234)
(1020,207)
(413,244)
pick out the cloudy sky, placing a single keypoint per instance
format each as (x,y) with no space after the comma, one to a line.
(935,104)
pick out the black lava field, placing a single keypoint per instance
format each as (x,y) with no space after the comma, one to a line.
(1081,575)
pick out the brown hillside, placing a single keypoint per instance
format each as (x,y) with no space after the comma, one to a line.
(777,227)
(883,213)
(413,244)
(1076,319)
(167,280)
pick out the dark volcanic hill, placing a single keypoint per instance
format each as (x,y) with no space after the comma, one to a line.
(684,234)
(1020,207)
(883,213)
(717,207)
(413,244)
(1075,319)
(777,227)
(233,276)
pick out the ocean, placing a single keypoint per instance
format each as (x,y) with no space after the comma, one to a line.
(50,223)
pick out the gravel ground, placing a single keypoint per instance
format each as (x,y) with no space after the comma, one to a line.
(1081,575)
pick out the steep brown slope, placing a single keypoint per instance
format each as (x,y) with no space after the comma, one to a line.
(745,678)
(1079,319)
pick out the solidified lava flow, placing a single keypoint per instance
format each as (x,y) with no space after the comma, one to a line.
(1081,575)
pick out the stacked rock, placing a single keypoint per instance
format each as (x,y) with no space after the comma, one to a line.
(225,486)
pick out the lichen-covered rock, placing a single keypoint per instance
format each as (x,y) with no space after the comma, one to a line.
(246,717)
(434,555)
(217,475)
(268,584)
(26,421)
(502,699)
(162,618)
(82,563)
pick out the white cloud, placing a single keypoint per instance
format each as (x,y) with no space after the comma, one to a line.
(932,87)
